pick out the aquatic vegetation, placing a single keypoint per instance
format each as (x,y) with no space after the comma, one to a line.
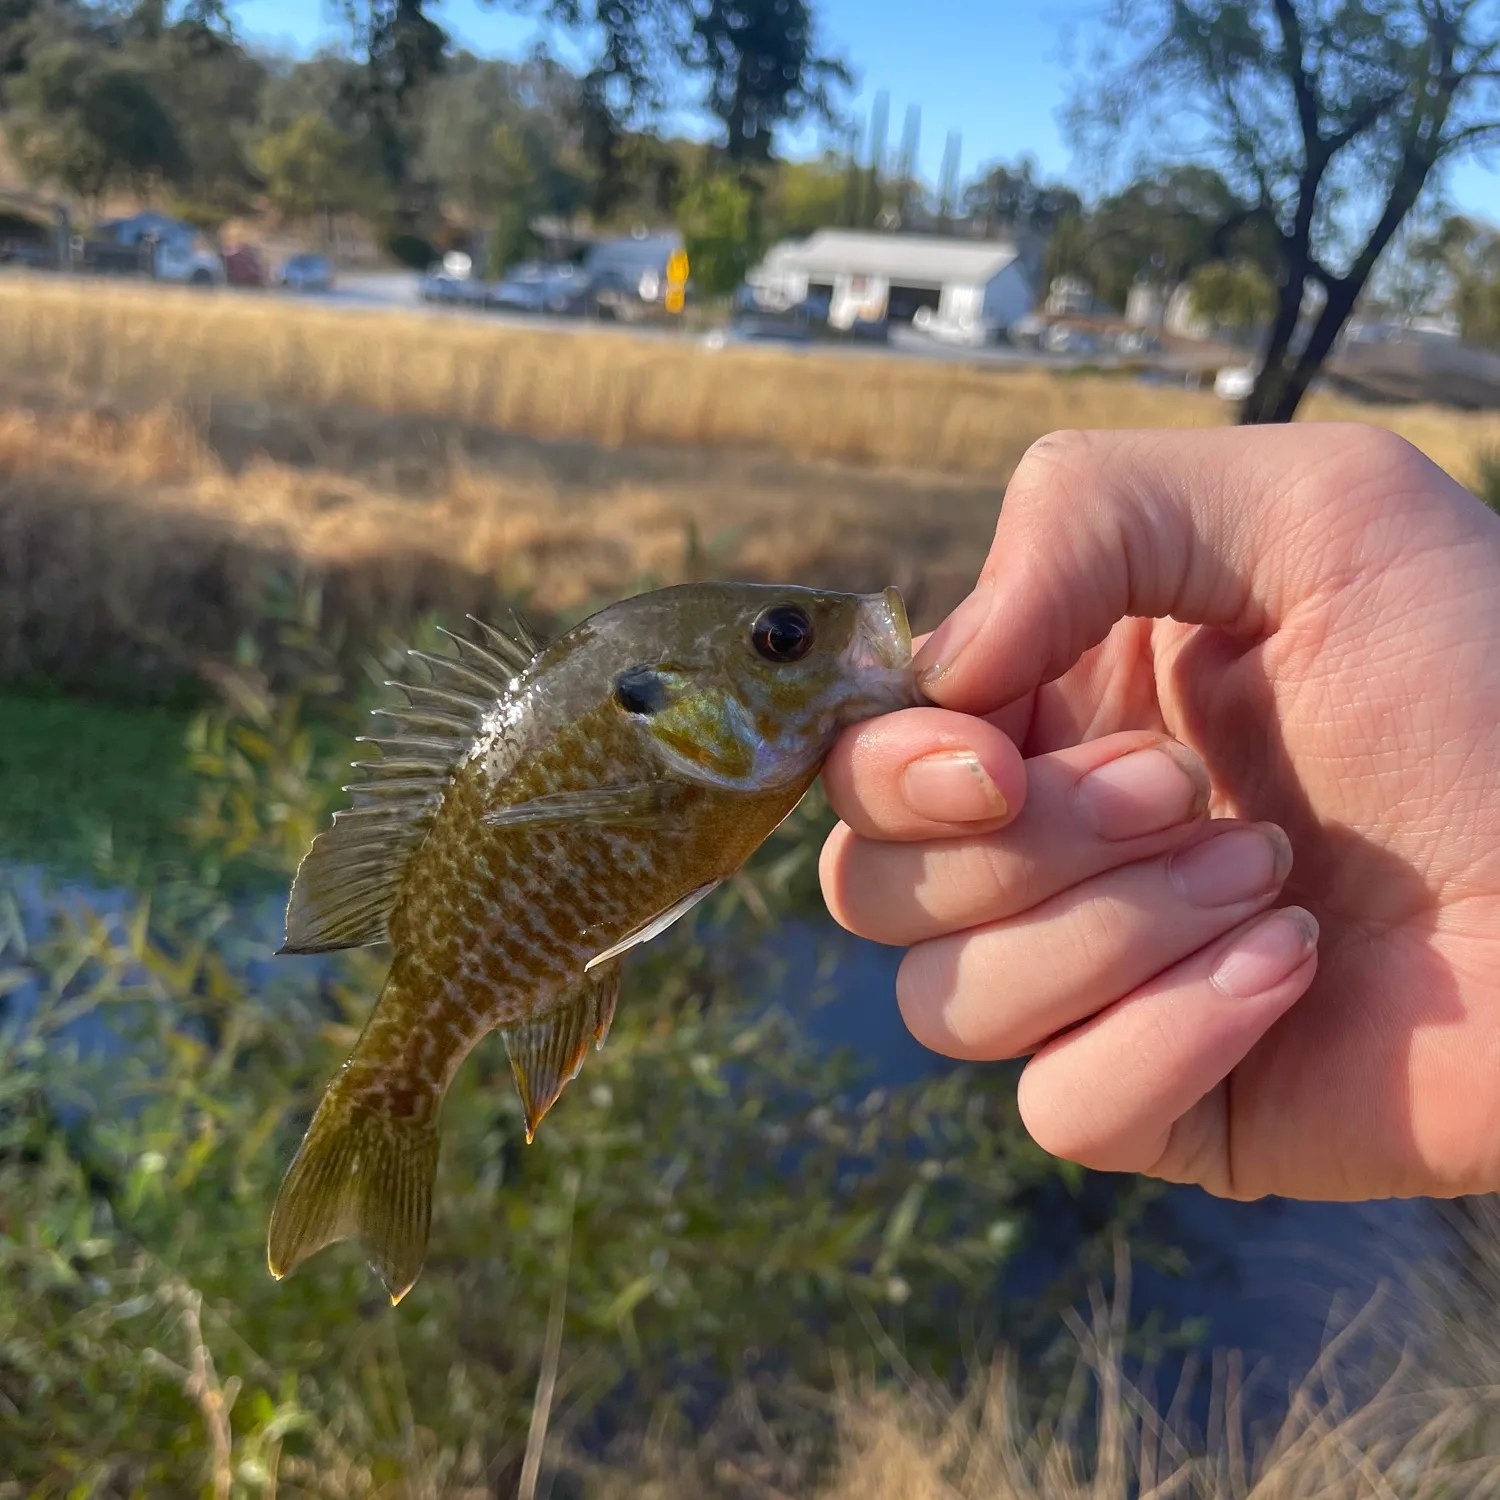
(737,1208)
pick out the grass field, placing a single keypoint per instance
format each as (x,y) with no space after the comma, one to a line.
(568,383)
(163,454)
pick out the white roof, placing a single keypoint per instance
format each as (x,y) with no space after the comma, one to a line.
(899,257)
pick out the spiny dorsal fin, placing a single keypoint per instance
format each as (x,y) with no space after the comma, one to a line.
(348,881)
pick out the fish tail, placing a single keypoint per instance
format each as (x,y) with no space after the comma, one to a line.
(365,1170)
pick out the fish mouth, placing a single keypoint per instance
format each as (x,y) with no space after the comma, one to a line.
(879,655)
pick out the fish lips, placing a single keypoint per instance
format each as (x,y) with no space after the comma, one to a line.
(880,657)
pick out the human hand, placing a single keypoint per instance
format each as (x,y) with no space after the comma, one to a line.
(1300,627)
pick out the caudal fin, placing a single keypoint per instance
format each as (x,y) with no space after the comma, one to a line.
(362,1172)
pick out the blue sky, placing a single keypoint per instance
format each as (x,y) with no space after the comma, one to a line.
(996,71)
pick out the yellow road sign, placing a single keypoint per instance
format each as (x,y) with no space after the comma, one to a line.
(677,268)
(674,299)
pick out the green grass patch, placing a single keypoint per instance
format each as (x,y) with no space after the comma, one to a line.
(81,780)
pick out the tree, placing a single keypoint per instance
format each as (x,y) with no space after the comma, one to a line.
(759,58)
(1328,118)
(17,25)
(1234,295)
(763,70)
(1167,224)
(87,123)
(717,217)
(310,168)
(401,48)
(805,196)
(1011,198)
(212,89)
(1458,266)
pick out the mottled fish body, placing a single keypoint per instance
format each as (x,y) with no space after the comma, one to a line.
(537,813)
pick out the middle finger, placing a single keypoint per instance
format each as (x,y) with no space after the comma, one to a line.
(1089,808)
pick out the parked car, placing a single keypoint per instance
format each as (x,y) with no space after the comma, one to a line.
(1060,338)
(306,272)
(537,286)
(967,333)
(1136,341)
(182,261)
(245,266)
(438,285)
(626,279)
(1234,382)
(25,253)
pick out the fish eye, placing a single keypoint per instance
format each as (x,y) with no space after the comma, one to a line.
(783,633)
(639,690)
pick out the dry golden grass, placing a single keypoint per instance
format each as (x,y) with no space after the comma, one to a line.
(141,541)
(162,453)
(605,388)
(1366,1423)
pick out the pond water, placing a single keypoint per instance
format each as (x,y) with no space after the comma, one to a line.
(1267,1278)
(1270,1278)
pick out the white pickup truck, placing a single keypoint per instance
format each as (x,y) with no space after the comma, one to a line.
(182,261)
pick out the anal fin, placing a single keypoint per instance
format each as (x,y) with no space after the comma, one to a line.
(547,1053)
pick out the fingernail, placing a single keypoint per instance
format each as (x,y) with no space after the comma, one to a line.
(1235,865)
(1264,956)
(1145,792)
(951,787)
(944,644)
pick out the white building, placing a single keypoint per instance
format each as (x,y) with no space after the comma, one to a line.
(870,276)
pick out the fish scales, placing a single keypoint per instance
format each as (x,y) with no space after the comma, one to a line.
(624,772)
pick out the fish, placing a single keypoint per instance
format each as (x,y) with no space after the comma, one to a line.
(537,812)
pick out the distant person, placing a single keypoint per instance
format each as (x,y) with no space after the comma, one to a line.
(1208,820)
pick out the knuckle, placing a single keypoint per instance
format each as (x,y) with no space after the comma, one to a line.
(1010,881)
(1055,456)
(1101,932)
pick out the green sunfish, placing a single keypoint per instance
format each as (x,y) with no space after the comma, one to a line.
(538,812)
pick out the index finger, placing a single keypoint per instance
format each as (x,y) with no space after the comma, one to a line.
(1229,527)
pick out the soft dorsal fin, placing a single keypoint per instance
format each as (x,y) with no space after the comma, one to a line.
(348,881)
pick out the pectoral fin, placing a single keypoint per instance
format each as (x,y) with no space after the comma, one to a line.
(643,802)
(546,1054)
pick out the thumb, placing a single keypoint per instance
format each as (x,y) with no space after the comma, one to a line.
(1227,527)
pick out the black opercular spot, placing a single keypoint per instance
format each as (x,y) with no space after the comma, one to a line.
(783,633)
(638,690)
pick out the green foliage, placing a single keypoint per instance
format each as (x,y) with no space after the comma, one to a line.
(722,1204)
(86,123)
(80,779)
(310,166)
(212,88)
(1237,296)
(804,196)
(1164,226)
(1328,121)
(716,216)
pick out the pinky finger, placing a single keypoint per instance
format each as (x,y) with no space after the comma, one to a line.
(1107,1093)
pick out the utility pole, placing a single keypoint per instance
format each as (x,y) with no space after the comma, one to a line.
(911,144)
(877,155)
(948,187)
